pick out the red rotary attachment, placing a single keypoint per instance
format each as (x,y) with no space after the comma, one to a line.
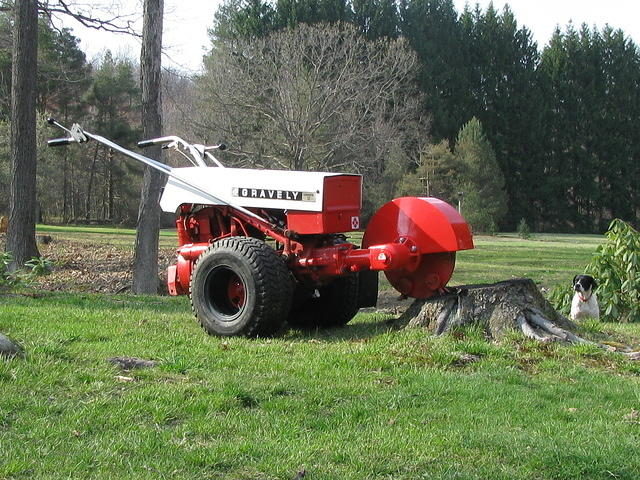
(430,230)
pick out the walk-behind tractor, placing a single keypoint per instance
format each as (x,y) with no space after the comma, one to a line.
(261,248)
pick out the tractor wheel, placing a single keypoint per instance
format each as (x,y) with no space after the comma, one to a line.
(335,306)
(241,286)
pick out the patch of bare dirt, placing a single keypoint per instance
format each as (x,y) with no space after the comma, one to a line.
(80,266)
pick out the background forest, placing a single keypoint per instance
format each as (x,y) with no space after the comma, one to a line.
(416,96)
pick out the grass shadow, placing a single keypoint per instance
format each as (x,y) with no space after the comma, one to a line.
(364,326)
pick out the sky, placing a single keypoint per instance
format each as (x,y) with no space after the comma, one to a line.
(186,22)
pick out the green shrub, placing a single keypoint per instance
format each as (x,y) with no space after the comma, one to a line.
(493,228)
(36,267)
(39,266)
(7,278)
(616,267)
(524,231)
(560,297)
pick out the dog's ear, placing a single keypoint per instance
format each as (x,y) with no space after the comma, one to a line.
(574,280)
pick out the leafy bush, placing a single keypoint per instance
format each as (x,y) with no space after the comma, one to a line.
(560,297)
(524,231)
(39,266)
(616,267)
(36,267)
(7,278)
(493,228)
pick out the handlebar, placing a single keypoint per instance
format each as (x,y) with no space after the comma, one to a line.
(59,142)
(194,153)
(146,143)
(78,135)
(172,139)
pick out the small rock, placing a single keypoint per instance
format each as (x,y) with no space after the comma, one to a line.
(300,475)
(8,348)
(129,363)
(466,358)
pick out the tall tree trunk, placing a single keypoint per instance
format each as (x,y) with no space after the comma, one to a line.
(92,174)
(110,190)
(145,273)
(65,176)
(21,233)
(65,187)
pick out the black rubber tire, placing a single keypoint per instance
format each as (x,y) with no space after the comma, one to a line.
(335,307)
(241,287)
(368,288)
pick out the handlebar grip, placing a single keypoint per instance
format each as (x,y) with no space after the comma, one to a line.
(59,142)
(222,147)
(146,143)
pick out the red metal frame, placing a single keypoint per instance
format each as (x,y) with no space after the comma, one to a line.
(341,204)
(412,240)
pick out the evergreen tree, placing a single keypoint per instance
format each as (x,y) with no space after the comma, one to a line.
(590,83)
(289,13)
(376,18)
(481,180)
(500,67)
(616,134)
(6,41)
(437,175)
(240,19)
(560,122)
(114,97)
(432,29)
(63,71)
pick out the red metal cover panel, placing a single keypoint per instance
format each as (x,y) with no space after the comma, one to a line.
(342,199)
(431,224)
(342,192)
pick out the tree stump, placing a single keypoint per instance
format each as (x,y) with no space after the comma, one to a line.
(497,308)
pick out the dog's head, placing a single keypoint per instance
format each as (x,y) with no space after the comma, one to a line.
(584,284)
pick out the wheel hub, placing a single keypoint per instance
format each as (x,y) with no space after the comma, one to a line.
(226,291)
(235,291)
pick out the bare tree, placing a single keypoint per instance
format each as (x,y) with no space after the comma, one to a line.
(22,204)
(97,15)
(179,101)
(145,273)
(314,97)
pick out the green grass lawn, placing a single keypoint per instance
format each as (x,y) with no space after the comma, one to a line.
(547,259)
(366,401)
(121,237)
(362,402)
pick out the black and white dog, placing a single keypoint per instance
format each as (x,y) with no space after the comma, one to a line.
(585,302)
